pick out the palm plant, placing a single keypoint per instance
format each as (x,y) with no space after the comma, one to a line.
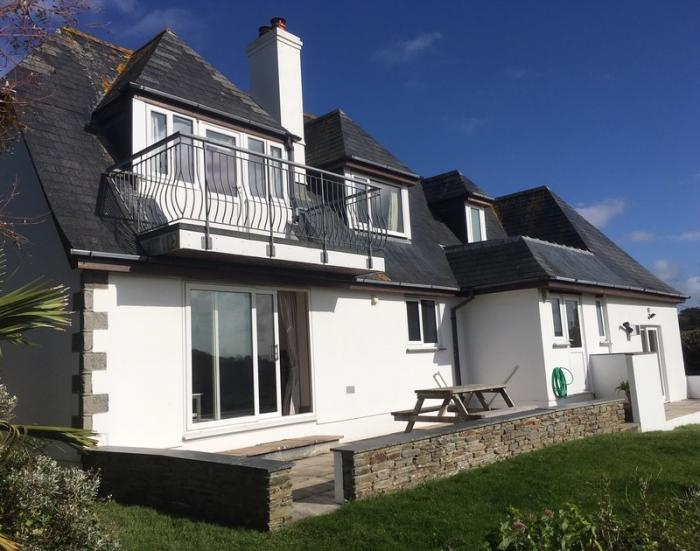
(33,306)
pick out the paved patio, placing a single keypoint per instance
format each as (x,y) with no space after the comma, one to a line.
(681,408)
(312,486)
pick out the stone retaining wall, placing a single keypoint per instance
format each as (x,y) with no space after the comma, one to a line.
(398,461)
(238,491)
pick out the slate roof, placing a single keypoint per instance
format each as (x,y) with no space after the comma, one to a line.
(450,186)
(72,71)
(335,137)
(167,65)
(542,214)
(548,241)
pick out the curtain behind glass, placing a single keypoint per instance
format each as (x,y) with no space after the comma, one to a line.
(287,304)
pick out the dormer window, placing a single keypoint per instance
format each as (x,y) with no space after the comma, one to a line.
(390,209)
(476,224)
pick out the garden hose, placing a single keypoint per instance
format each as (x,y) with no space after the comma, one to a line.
(559,382)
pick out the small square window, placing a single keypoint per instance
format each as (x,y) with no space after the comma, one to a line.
(422,321)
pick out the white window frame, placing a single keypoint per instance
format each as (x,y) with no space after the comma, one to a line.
(405,211)
(565,340)
(605,338)
(191,425)
(482,222)
(203,127)
(421,343)
(169,114)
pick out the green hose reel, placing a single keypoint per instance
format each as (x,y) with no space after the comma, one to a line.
(559,383)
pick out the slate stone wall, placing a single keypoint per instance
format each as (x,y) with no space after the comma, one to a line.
(395,462)
(236,491)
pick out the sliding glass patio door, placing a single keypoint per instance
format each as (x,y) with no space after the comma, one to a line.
(234,354)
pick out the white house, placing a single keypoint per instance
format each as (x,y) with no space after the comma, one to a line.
(244,273)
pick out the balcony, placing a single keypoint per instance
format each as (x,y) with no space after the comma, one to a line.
(191,196)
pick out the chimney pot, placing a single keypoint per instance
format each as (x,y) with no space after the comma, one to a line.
(264,30)
(279,22)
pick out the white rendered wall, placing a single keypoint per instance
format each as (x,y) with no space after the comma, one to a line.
(666,319)
(645,391)
(353,344)
(39,375)
(500,331)
(694,387)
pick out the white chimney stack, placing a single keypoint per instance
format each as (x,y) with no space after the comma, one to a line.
(275,78)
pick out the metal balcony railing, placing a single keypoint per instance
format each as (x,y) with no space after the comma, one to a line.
(199,181)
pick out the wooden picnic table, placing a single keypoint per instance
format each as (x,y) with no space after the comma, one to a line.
(454,398)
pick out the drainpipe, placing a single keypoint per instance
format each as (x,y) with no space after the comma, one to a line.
(455,336)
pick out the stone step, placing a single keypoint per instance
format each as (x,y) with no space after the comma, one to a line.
(289,449)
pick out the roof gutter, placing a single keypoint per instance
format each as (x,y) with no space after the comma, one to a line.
(401,284)
(212,110)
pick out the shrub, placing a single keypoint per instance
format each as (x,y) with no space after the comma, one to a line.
(671,524)
(45,506)
(7,403)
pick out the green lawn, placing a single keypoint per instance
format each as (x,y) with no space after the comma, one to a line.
(454,513)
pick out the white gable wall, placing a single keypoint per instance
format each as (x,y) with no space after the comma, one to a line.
(354,343)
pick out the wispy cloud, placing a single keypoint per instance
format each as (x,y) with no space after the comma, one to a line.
(123,6)
(667,270)
(406,50)
(156,20)
(599,214)
(640,236)
(688,236)
(520,73)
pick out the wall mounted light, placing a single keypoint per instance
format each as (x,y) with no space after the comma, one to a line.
(627,328)
(650,314)
(375,300)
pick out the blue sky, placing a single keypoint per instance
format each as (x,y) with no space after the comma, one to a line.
(598,100)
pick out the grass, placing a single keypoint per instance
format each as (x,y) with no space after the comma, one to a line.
(453,513)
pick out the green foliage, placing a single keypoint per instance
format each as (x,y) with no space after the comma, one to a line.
(689,318)
(45,506)
(690,342)
(7,403)
(671,524)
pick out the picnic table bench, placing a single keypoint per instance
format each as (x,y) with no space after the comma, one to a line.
(455,399)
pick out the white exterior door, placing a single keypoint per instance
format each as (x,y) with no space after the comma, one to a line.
(578,364)
(651,342)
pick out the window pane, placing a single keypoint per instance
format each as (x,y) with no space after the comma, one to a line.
(476,224)
(390,208)
(267,369)
(235,337)
(573,323)
(413,321)
(429,322)
(358,200)
(158,132)
(256,168)
(184,150)
(220,164)
(601,320)
(276,172)
(556,317)
(204,362)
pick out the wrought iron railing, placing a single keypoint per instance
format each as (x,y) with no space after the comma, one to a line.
(196,180)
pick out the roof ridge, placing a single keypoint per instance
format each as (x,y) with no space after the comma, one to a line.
(77,32)
(524,192)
